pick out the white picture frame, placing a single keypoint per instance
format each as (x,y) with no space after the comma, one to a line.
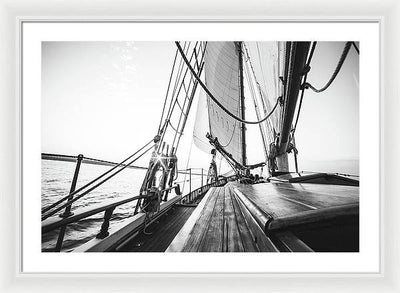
(12,278)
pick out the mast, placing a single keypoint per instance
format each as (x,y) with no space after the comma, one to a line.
(242,103)
(294,73)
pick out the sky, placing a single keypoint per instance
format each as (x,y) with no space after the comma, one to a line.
(104,100)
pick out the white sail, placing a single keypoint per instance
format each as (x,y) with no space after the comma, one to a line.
(265,65)
(201,126)
(267,62)
(221,71)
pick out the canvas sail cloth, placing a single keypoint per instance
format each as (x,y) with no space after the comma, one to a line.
(266,61)
(221,73)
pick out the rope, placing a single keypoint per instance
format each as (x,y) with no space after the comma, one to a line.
(335,73)
(174,96)
(94,180)
(261,67)
(51,213)
(168,88)
(178,84)
(269,125)
(88,160)
(176,130)
(176,93)
(355,47)
(255,102)
(194,88)
(215,100)
(187,165)
(305,80)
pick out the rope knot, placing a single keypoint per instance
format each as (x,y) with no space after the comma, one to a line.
(157,138)
(305,86)
(306,69)
(280,100)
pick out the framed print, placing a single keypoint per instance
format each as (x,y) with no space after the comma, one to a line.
(202,148)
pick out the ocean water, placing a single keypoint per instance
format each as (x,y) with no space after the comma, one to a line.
(56,183)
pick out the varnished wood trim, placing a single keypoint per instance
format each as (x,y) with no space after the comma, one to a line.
(318,216)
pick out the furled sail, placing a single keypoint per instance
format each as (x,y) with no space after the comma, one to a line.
(221,71)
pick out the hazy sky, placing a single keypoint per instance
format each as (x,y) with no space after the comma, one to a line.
(104,100)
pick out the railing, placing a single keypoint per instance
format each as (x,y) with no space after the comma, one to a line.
(75,194)
(51,223)
(192,196)
(54,223)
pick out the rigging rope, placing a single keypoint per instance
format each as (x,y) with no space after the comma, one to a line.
(70,202)
(193,87)
(267,126)
(174,95)
(215,100)
(94,180)
(168,88)
(175,129)
(187,165)
(356,48)
(180,77)
(335,73)
(307,68)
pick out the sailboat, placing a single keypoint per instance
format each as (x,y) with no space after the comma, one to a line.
(261,207)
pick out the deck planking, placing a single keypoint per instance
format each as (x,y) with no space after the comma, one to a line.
(233,240)
(162,232)
(197,234)
(223,225)
(224,222)
(214,234)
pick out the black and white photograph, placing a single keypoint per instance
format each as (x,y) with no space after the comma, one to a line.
(158,146)
(200,146)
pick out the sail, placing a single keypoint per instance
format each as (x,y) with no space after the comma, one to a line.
(221,71)
(201,126)
(264,70)
(267,65)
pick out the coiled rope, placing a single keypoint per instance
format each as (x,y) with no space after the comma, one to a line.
(335,73)
(215,100)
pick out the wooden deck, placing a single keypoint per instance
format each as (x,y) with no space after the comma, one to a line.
(221,224)
(236,217)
